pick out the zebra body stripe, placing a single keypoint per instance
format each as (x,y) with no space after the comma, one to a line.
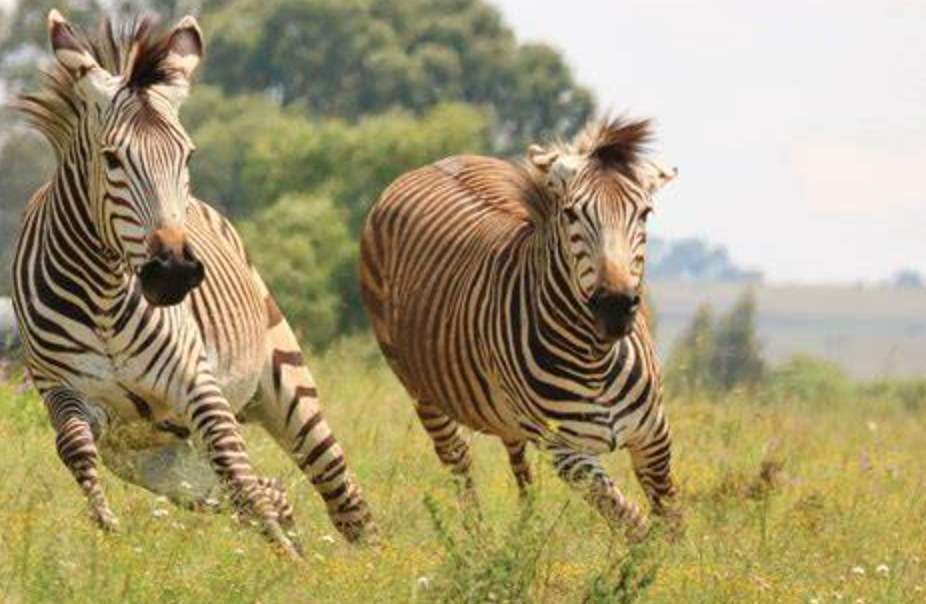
(476,299)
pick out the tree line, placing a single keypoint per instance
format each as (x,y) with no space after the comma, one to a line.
(306,110)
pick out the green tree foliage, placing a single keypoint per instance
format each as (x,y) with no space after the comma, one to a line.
(307,110)
(737,359)
(348,164)
(301,247)
(348,58)
(689,367)
(25,162)
(718,355)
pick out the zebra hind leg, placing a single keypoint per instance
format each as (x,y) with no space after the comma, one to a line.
(289,410)
(584,473)
(452,448)
(520,465)
(76,444)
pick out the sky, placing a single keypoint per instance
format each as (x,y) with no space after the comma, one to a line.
(798,126)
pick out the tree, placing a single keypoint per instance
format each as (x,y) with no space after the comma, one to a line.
(689,368)
(718,355)
(301,248)
(737,359)
(26,162)
(908,279)
(349,58)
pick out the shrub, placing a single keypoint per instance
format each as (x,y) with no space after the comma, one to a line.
(805,378)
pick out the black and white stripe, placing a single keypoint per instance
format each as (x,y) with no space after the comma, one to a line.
(507,299)
(143,322)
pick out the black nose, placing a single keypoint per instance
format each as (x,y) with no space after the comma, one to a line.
(615,311)
(168,277)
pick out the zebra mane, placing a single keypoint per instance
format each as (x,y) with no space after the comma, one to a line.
(133,52)
(612,143)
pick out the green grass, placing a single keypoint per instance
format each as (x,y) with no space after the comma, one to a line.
(783,503)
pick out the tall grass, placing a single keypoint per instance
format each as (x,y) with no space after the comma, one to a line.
(785,499)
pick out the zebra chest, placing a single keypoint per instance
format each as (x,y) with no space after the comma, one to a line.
(590,416)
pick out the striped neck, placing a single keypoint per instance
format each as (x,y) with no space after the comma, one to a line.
(72,229)
(558,308)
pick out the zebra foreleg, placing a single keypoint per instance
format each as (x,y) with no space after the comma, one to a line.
(452,448)
(76,433)
(209,416)
(652,465)
(290,412)
(584,473)
(520,465)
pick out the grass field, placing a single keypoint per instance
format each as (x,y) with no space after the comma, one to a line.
(818,502)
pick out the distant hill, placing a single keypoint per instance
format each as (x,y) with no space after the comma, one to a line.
(696,260)
(870,332)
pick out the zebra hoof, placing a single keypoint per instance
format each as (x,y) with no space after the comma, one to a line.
(106,521)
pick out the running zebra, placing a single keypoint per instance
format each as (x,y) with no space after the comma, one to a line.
(507,298)
(143,322)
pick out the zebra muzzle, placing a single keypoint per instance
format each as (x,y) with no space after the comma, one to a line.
(168,277)
(615,312)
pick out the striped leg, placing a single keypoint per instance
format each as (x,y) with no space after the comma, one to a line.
(452,448)
(290,412)
(76,438)
(276,493)
(584,472)
(520,465)
(652,463)
(210,417)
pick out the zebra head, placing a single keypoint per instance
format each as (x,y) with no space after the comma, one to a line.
(129,88)
(601,188)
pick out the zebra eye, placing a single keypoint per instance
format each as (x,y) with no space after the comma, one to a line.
(112,160)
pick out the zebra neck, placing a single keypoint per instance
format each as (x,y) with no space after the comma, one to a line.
(558,311)
(72,233)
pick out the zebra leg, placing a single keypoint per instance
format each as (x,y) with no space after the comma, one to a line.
(520,465)
(652,463)
(276,493)
(210,417)
(76,433)
(290,412)
(584,473)
(452,448)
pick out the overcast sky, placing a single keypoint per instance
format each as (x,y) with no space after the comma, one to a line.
(798,126)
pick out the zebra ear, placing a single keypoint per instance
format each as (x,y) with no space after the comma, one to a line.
(541,158)
(69,52)
(185,47)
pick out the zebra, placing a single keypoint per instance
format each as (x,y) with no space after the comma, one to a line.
(145,327)
(506,296)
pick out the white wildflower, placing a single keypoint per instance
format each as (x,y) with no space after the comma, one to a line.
(328,539)
(238,551)
(858,570)
(160,513)
(185,485)
(423,582)
(883,570)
